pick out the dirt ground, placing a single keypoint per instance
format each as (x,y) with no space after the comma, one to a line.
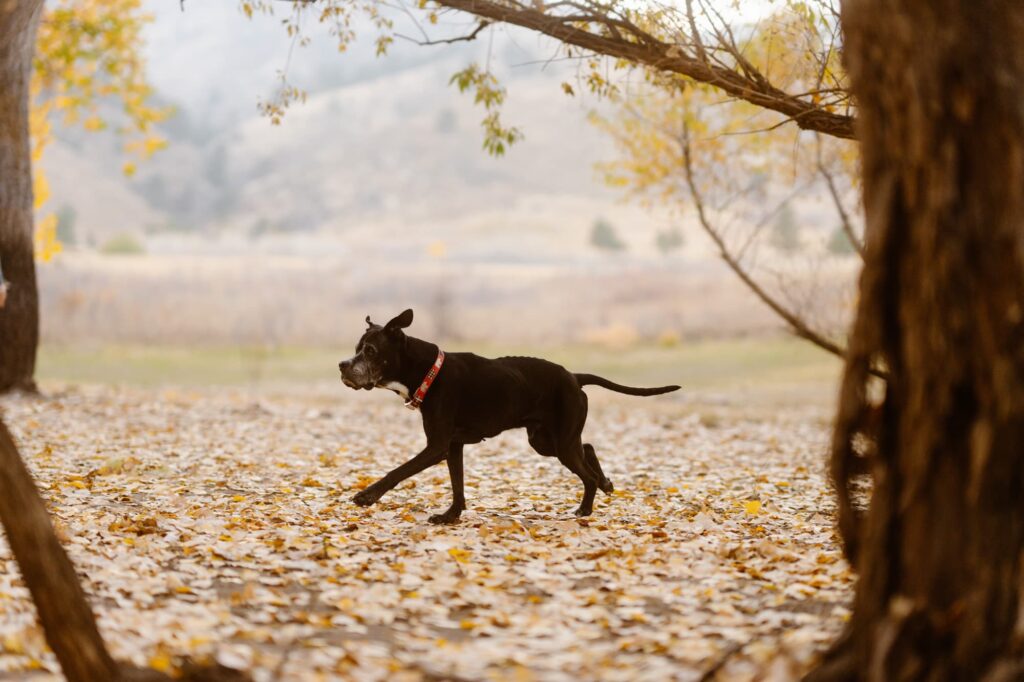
(217,523)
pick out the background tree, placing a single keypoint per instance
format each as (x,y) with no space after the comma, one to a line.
(19,319)
(839,243)
(84,56)
(689,149)
(669,240)
(745,166)
(786,230)
(65,230)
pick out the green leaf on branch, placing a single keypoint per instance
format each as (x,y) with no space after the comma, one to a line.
(487,91)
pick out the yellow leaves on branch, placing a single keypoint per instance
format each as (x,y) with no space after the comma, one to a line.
(46,243)
(45,240)
(89,53)
(732,142)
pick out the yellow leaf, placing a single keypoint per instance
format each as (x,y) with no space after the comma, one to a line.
(46,243)
(13,644)
(437,249)
(161,662)
(460,555)
(40,188)
(128,169)
(153,144)
(753,507)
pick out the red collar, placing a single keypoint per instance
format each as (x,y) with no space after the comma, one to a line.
(417,399)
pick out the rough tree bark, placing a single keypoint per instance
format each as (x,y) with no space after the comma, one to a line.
(19,319)
(939,87)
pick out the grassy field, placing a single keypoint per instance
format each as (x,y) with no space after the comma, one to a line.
(767,371)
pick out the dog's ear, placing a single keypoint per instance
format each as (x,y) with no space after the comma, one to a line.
(370,325)
(400,321)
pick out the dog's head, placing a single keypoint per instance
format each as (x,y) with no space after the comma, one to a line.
(378,354)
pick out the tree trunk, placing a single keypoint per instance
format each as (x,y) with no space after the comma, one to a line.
(19,319)
(940,90)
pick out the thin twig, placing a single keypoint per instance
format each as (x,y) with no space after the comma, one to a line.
(844,217)
(448,41)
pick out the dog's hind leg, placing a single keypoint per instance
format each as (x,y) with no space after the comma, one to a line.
(459,498)
(590,459)
(573,459)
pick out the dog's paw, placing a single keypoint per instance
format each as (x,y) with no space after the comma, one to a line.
(450,516)
(606,486)
(581,512)
(364,498)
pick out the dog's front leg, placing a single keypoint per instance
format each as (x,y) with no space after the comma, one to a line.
(459,498)
(429,456)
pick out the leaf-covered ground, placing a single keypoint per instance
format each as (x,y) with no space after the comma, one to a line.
(219,524)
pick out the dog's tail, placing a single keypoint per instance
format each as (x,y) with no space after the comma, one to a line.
(593,379)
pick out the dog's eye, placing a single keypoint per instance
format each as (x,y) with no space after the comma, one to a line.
(369,351)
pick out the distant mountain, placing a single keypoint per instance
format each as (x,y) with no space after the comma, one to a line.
(379,140)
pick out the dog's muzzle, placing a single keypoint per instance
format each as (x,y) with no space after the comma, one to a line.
(355,376)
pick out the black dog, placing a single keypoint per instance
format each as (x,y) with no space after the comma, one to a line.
(474,398)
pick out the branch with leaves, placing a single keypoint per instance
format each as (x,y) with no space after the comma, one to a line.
(616,31)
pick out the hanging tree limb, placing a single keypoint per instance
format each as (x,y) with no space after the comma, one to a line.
(597,28)
(448,41)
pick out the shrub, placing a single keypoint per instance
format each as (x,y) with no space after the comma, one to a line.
(603,236)
(839,244)
(122,245)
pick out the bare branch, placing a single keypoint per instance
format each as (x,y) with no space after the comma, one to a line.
(448,41)
(694,33)
(844,218)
